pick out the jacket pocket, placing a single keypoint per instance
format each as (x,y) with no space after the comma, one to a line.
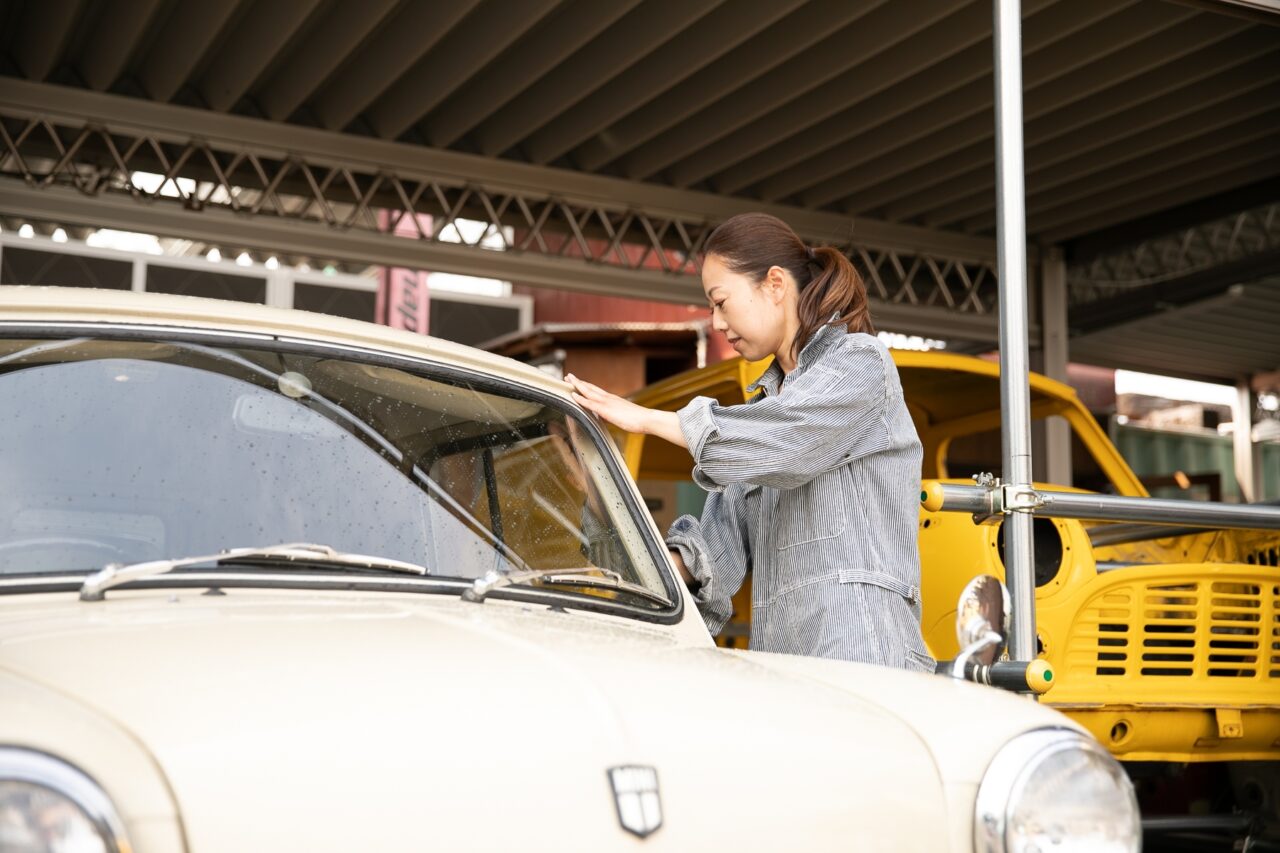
(920,661)
(813,512)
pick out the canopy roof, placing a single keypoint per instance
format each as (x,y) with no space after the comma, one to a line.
(875,118)
(864,107)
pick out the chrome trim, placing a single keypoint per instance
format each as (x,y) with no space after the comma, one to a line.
(375,351)
(43,327)
(37,768)
(1009,772)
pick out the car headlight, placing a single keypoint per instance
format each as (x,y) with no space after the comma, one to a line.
(48,805)
(1056,789)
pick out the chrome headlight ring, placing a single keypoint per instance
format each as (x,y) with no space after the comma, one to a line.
(1056,789)
(46,803)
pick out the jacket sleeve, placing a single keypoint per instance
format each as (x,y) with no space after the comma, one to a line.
(832,413)
(714,549)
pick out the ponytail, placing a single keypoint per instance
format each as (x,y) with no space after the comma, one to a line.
(831,291)
(835,288)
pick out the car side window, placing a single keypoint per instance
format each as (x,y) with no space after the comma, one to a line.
(535,494)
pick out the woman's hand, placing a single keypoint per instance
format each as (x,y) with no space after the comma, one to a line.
(614,409)
(625,414)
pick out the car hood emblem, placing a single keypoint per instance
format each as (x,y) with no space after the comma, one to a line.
(635,791)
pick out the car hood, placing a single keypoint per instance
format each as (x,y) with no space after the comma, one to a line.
(318,722)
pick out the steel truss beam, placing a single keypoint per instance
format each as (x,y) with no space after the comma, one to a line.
(1234,244)
(74,156)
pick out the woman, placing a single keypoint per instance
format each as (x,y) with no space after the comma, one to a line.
(814,483)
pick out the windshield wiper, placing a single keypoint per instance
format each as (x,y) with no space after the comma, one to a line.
(305,554)
(606,579)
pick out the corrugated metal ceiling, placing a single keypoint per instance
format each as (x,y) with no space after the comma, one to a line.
(1221,338)
(864,107)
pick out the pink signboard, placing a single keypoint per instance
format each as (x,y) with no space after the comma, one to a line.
(403,300)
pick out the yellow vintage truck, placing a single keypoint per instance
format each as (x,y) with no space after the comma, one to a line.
(1164,642)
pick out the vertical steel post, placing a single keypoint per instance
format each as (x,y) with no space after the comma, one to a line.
(1053,344)
(1246,466)
(138,276)
(1015,394)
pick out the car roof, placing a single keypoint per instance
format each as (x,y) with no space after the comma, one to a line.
(51,305)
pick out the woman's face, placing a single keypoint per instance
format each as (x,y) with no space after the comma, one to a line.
(753,316)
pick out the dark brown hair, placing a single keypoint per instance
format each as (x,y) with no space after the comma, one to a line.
(750,243)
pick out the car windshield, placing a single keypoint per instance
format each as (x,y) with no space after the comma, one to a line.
(119,451)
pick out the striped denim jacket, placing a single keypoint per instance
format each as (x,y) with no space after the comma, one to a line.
(813,489)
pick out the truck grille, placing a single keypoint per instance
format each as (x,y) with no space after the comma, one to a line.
(1214,628)
(1264,557)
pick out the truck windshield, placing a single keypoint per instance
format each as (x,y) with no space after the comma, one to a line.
(115,451)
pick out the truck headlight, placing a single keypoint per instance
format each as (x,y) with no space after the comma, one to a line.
(48,805)
(1056,789)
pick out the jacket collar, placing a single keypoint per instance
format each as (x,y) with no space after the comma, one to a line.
(826,337)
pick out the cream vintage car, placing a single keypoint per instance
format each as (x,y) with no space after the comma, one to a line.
(280,581)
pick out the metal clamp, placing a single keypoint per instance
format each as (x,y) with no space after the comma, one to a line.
(1020,498)
(1004,498)
(992,511)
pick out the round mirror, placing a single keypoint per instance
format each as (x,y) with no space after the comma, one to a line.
(983,607)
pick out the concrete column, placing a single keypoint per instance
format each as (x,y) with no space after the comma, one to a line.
(1247,469)
(138,279)
(280,288)
(1053,333)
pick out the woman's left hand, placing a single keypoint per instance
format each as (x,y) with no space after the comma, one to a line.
(614,409)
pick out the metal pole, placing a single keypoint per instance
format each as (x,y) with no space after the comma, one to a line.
(948,497)
(1015,392)
(1242,442)
(1053,344)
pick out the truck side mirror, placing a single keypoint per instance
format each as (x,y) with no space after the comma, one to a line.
(982,620)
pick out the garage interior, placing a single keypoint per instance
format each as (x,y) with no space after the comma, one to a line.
(599,141)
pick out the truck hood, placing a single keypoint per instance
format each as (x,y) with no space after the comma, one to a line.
(322,722)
